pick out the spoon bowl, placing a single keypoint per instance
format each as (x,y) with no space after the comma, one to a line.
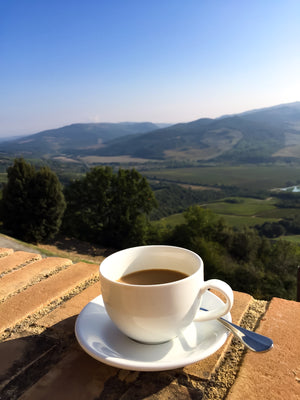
(252,340)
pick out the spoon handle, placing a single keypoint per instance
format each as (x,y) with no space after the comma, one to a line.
(252,340)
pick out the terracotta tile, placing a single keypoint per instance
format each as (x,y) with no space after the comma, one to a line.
(18,307)
(274,375)
(17,259)
(22,277)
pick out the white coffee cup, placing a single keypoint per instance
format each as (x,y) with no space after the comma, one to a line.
(157,313)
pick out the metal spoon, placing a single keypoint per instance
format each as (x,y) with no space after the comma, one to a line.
(252,340)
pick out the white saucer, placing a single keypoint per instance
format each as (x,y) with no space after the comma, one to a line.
(99,337)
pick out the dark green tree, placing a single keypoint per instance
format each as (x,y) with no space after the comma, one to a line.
(199,222)
(48,205)
(33,202)
(204,222)
(16,203)
(132,201)
(108,208)
(245,244)
(88,205)
(271,229)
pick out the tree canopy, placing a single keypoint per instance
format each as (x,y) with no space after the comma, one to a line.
(33,203)
(247,261)
(109,208)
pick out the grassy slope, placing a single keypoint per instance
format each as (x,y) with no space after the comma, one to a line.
(247,212)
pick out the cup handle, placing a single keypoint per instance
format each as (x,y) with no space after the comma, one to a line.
(223,309)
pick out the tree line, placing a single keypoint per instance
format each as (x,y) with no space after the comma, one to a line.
(246,260)
(102,207)
(113,209)
(289,225)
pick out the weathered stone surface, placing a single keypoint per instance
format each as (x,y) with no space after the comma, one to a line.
(274,375)
(20,278)
(18,307)
(5,252)
(17,260)
(70,308)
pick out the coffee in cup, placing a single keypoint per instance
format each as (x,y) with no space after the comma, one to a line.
(152,293)
(152,277)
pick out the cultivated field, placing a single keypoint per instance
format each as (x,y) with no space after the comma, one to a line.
(246,212)
(113,159)
(254,178)
(249,211)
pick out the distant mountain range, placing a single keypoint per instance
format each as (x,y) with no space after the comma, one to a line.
(253,136)
(72,138)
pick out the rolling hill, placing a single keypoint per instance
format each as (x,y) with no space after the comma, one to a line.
(253,136)
(73,138)
(249,137)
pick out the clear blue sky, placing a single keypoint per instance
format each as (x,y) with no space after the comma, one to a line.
(67,61)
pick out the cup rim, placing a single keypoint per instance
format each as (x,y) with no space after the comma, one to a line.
(116,282)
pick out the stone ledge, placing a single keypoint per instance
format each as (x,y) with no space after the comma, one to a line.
(40,357)
(23,304)
(274,375)
(14,261)
(5,252)
(18,280)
